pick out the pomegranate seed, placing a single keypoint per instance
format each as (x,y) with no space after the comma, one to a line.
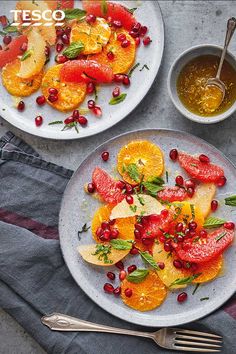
(214,205)
(173,154)
(104,238)
(112,222)
(126,80)
(182,297)
(203,158)
(90,18)
(128,292)
(129,188)
(180,238)
(144,221)
(60,58)
(108,288)
(162,238)
(91,104)
(53,91)
(134,251)
(117,291)
(121,37)
(221,181)
(90,87)
(105,155)
(194,267)
(190,192)
(105,225)
(137,234)
(118,77)
(67,31)
(229,225)
(203,233)
(179,180)
(147,241)
(59,32)
(137,41)
(136,27)
(167,247)
(82,120)
(186,246)
(69,120)
(91,187)
(120,184)
(131,268)
(177,264)
(110,55)
(129,199)
(189,184)
(192,225)
(40,100)
(3,21)
(179,227)
(47,51)
(52,98)
(147,41)
(21,106)
(24,47)
(111,275)
(134,34)
(120,265)
(107,234)
(139,227)
(161,265)
(65,39)
(97,111)
(125,43)
(117,23)
(59,47)
(99,231)
(7,39)
(114,234)
(165,213)
(38,121)
(75,114)
(122,275)
(143,31)
(116,92)
(187,233)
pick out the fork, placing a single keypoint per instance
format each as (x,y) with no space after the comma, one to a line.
(169,338)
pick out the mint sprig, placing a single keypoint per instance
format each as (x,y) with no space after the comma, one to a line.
(74,49)
(149,259)
(138,275)
(119,244)
(231,200)
(213,222)
(186,280)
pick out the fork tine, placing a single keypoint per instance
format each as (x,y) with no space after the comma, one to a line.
(197,343)
(205,339)
(187,331)
(202,350)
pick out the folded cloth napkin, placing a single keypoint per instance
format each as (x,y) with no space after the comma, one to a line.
(34,279)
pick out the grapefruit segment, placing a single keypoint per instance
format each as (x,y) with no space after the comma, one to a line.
(11,52)
(172,194)
(203,172)
(85,71)
(112,10)
(207,249)
(108,188)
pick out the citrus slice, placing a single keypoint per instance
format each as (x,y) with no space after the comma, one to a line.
(35,61)
(142,157)
(11,52)
(147,295)
(209,270)
(112,10)
(204,172)
(94,36)
(107,188)
(123,57)
(202,198)
(125,226)
(17,86)
(70,95)
(209,248)
(88,252)
(172,194)
(169,274)
(143,205)
(86,70)
(186,212)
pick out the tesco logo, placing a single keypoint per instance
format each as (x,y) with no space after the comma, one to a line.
(39,18)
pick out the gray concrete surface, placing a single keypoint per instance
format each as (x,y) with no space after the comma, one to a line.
(187,23)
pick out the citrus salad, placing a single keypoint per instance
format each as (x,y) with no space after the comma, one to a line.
(172,229)
(96,45)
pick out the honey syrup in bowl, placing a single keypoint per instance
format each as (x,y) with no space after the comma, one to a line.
(199,98)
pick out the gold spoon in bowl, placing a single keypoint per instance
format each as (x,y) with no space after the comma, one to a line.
(215,88)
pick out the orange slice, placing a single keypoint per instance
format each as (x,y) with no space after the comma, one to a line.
(187,212)
(123,57)
(145,155)
(146,295)
(70,95)
(17,86)
(125,226)
(93,36)
(209,270)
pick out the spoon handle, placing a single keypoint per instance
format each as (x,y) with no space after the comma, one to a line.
(231,25)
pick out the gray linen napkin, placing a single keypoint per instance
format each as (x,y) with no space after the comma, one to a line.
(34,279)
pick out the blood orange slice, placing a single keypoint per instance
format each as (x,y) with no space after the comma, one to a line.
(111,10)
(107,187)
(86,70)
(204,172)
(209,248)
(172,194)
(11,52)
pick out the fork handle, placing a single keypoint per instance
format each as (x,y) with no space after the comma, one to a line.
(60,322)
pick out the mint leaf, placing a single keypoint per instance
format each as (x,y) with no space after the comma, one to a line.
(144,67)
(133,208)
(204,298)
(26,54)
(192,207)
(138,275)
(118,99)
(71,14)
(56,122)
(149,259)
(131,10)
(231,200)
(219,237)
(104,7)
(186,280)
(10,29)
(74,49)
(119,244)
(152,188)
(132,69)
(102,251)
(212,222)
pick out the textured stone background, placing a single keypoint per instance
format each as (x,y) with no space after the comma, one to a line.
(187,23)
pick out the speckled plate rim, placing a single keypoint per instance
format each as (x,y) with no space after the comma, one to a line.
(182,319)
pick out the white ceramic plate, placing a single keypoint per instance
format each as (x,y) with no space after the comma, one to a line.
(78,207)
(148,13)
